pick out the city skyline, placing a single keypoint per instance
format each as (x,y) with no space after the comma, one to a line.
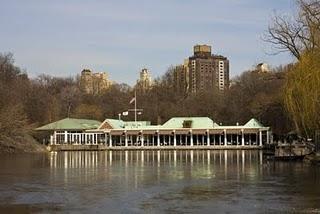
(61,39)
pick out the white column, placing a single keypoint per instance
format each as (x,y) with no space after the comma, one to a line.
(237,141)
(54,137)
(169,139)
(142,139)
(174,139)
(110,139)
(158,139)
(126,140)
(191,138)
(242,137)
(71,138)
(66,136)
(268,137)
(260,138)
(202,140)
(105,139)
(225,137)
(208,138)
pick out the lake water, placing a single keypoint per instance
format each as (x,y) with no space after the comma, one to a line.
(156,182)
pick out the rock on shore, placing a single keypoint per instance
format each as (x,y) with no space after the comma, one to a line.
(313,158)
(20,144)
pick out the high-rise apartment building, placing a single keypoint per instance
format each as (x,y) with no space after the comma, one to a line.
(94,83)
(181,78)
(145,81)
(207,71)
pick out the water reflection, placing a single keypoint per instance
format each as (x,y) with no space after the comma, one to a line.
(93,159)
(177,164)
(198,181)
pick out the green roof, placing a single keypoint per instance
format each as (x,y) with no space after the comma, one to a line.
(196,123)
(70,124)
(120,124)
(253,123)
(116,124)
(138,123)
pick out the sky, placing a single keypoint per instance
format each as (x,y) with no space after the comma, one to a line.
(62,37)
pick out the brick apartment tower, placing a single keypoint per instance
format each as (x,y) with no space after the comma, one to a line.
(207,71)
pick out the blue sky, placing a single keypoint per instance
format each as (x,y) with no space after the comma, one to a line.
(62,37)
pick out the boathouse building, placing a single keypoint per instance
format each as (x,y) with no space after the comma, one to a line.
(178,132)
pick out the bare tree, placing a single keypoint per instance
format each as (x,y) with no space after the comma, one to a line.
(296,34)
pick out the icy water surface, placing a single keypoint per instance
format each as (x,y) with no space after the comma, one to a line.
(156,182)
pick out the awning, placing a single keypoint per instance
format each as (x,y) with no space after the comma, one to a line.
(233,131)
(150,132)
(215,131)
(250,131)
(166,132)
(199,131)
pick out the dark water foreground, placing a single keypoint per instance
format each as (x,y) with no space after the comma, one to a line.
(156,182)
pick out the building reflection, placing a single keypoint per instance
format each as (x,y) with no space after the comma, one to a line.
(153,165)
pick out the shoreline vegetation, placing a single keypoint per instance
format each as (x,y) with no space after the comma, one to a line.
(285,98)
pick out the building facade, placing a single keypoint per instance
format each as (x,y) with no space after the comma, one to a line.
(181,78)
(207,71)
(145,81)
(94,83)
(178,132)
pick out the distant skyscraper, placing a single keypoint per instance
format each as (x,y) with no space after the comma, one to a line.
(181,77)
(262,67)
(207,71)
(145,81)
(94,83)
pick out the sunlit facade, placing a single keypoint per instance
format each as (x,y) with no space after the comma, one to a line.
(178,132)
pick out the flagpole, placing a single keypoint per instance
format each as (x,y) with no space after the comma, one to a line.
(135,107)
